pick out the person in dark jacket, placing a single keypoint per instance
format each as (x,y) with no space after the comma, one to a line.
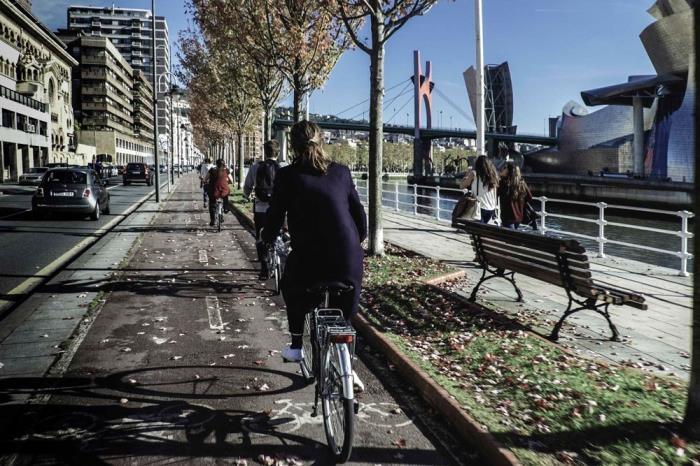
(513,194)
(217,182)
(327,225)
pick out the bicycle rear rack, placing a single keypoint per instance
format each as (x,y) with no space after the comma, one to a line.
(330,322)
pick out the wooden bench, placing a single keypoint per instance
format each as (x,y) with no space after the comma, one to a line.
(503,252)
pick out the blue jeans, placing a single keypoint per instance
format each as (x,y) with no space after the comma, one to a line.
(487,215)
(205,188)
(512,226)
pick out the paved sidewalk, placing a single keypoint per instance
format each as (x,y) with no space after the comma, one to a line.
(182,365)
(657,339)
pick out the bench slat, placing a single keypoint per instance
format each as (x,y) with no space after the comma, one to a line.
(520,238)
(581,260)
(549,260)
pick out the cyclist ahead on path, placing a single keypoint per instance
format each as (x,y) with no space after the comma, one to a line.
(203,173)
(261,180)
(217,182)
(327,225)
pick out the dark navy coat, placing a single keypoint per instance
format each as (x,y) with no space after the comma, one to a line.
(327,224)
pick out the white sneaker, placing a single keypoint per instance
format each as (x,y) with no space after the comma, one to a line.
(290,354)
(357,383)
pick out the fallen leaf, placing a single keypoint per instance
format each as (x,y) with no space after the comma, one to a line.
(401,443)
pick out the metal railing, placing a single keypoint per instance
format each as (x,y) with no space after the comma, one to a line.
(432,202)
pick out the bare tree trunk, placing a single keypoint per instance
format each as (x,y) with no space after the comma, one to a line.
(241,161)
(376,134)
(269,112)
(691,422)
(297,104)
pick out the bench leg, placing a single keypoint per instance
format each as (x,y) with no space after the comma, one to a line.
(499,273)
(604,312)
(554,336)
(472,297)
(517,290)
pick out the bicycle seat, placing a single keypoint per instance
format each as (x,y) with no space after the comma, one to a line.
(330,287)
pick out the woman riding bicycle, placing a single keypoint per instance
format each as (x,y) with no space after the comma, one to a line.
(217,181)
(327,225)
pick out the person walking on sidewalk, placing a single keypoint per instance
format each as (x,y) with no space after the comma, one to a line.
(261,180)
(513,194)
(203,173)
(482,181)
(327,225)
(217,182)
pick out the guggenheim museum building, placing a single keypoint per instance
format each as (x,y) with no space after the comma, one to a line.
(644,127)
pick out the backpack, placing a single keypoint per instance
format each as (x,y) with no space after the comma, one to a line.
(265,179)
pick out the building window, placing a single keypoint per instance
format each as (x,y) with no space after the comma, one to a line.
(8,119)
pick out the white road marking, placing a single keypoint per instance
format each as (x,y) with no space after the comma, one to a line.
(203,256)
(214,311)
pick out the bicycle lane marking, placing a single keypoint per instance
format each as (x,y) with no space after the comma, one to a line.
(214,312)
(292,415)
(203,256)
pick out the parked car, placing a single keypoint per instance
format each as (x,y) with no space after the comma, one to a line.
(71,190)
(137,171)
(56,164)
(33,176)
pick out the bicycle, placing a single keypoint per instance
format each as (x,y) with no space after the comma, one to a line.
(219,212)
(328,349)
(276,257)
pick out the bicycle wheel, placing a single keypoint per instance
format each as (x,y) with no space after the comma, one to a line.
(338,409)
(277,274)
(307,346)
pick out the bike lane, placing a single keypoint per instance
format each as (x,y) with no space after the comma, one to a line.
(182,364)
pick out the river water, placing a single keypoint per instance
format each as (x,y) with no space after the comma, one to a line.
(427,202)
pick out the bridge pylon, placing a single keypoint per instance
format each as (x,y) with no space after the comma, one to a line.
(422,95)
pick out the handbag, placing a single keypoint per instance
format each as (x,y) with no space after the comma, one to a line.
(467,207)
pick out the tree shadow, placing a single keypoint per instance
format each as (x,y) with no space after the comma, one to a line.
(92,420)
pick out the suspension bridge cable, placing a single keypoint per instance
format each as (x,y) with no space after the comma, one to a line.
(367,100)
(399,110)
(453,105)
(403,92)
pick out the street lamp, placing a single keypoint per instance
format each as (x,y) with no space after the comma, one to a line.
(155,97)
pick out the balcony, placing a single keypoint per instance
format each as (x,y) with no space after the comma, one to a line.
(14,96)
(27,88)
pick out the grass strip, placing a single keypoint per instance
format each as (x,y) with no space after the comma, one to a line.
(547,405)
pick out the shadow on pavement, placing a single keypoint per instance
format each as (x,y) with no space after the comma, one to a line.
(154,412)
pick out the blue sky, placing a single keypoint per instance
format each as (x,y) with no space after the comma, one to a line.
(556,49)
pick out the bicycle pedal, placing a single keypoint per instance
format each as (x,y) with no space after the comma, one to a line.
(356,407)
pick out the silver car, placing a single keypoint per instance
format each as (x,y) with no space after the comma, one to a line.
(33,176)
(71,190)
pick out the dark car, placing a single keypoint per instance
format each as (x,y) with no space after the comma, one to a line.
(71,190)
(33,176)
(137,171)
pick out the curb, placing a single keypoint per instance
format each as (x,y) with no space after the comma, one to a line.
(430,391)
(439,398)
(243,217)
(445,278)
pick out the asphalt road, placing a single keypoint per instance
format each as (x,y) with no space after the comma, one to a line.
(27,245)
(182,366)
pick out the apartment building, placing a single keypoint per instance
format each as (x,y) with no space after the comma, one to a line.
(35,94)
(112,101)
(131,32)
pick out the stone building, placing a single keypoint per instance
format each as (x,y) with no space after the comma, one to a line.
(35,94)
(112,101)
(131,31)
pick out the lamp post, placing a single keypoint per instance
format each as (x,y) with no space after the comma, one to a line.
(169,74)
(155,98)
(480,103)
